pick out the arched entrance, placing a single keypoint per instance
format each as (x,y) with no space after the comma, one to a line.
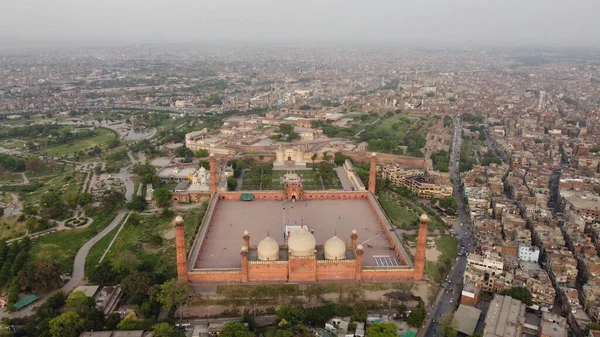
(289,158)
(293,198)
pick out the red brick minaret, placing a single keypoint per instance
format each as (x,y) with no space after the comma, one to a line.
(421,246)
(246,239)
(353,237)
(180,248)
(244,254)
(213,174)
(373,173)
(359,261)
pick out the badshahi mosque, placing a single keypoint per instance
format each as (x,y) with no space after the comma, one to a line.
(296,235)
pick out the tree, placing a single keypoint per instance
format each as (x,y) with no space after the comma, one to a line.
(1,212)
(293,314)
(235,329)
(112,201)
(84,198)
(137,284)
(382,330)
(314,157)
(326,157)
(162,196)
(520,293)
(69,324)
(231,183)
(103,274)
(164,330)
(446,326)
(172,293)
(416,317)
(339,158)
(34,164)
(138,203)
(202,153)
(113,142)
(42,277)
(78,301)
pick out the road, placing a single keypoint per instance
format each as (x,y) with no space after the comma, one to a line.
(450,296)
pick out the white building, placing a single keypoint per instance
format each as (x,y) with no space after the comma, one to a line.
(529,253)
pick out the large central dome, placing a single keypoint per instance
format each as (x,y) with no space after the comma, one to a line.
(302,243)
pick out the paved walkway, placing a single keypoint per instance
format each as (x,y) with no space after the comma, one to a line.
(79,264)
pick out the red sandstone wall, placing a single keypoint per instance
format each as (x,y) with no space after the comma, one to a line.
(302,269)
(343,195)
(258,195)
(388,234)
(267,272)
(216,276)
(336,271)
(382,274)
(384,158)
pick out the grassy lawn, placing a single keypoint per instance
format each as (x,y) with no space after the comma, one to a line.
(69,184)
(447,245)
(103,135)
(6,176)
(272,182)
(147,240)
(245,291)
(61,247)
(50,169)
(10,228)
(12,143)
(404,212)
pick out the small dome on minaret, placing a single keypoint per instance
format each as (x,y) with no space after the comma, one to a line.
(424,217)
(178,218)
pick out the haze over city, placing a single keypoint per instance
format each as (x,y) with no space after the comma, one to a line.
(443,23)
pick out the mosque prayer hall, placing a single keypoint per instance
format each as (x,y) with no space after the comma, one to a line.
(297,236)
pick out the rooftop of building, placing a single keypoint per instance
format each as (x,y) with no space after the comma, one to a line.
(505,317)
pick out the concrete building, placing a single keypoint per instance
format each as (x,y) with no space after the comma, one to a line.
(529,253)
(505,317)
(424,184)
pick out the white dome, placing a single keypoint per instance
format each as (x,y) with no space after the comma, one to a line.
(424,217)
(301,243)
(178,218)
(334,249)
(268,249)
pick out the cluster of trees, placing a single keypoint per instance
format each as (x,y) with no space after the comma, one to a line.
(137,203)
(47,134)
(147,173)
(570,100)
(390,140)
(417,316)
(12,261)
(339,158)
(17,275)
(61,316)
(52,206)
(240,164)
(11,163)
(327,172)
(487,160)
(520,293)
(116,156)
(473,119)
(162,196)
(449,204)
(447,121)
(286,132)
(185,153)
(441,160)
(112,200)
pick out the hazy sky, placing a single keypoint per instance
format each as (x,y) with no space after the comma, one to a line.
(413,22)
